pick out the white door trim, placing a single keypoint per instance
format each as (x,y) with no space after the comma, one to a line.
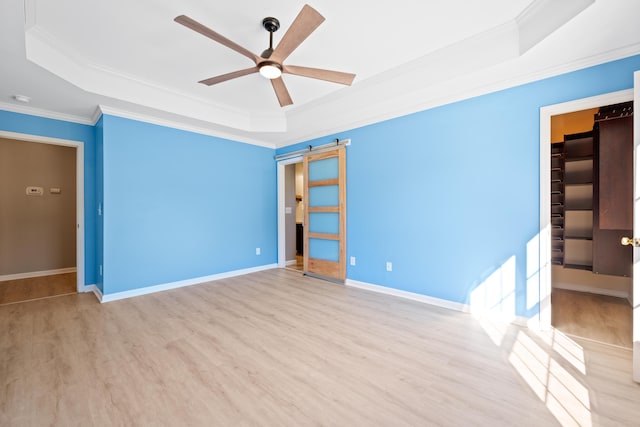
(282,253)
(79,145)
(545,186)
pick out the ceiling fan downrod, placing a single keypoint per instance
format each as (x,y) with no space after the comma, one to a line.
(271,25)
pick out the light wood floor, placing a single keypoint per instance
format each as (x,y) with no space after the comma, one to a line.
(19,290)
(299,265)
(278,349)
(597,317)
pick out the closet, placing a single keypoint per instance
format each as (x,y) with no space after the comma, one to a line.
(592,194)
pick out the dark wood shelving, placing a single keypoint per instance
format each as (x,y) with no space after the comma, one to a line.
(579,266)
(572,192)
(557,202)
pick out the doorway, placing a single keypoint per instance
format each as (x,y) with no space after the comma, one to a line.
(324,202)
(50,229)
(580,299)
(287,211)
(294,216)
(591,271)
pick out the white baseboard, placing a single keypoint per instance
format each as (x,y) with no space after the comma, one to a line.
(409,295)
(179,284)
(291,262)
(591,290)
(31,274)
(456,306)
(94,289)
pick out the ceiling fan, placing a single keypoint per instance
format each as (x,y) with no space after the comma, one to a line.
(270,62)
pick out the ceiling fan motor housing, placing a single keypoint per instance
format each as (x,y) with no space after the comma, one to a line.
(271,24)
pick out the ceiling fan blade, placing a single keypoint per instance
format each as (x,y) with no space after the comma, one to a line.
(208,32)
(224,77)
(320,74)
(281,92)
(305,23)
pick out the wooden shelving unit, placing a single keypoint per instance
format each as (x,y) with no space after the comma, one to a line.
(592,195)
(578,201)
(557,203)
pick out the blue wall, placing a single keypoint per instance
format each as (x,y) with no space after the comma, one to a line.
(32,125)
(180,205)
(451,194)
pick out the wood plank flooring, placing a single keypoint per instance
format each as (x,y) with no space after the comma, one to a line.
(276,348)
(299,265)
(12,291)
(597,317)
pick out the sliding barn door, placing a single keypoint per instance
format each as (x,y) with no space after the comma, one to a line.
(325,215)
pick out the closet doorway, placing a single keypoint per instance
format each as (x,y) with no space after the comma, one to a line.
(41,210)
(591,194)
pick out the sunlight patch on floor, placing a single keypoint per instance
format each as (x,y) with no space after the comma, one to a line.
(552,369)
(564,395)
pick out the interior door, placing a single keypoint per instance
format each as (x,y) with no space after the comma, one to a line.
(636,228)
(325,215)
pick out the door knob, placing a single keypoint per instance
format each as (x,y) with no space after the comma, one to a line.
(628,241)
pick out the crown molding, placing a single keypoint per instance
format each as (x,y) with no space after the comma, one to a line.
(104,109)
(43,49)
(543,17)
(412,101)
(40,112)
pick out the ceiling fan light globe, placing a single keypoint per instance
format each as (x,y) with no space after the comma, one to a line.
(270,71)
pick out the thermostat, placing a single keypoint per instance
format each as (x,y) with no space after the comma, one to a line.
(35,191)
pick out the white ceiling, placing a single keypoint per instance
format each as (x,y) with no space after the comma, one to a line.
(132,59)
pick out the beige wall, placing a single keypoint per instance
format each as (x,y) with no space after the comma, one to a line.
(570,123)
(37,233)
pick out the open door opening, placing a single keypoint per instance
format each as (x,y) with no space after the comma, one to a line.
(591,210)
(547,222)
(41,243)
(294,215)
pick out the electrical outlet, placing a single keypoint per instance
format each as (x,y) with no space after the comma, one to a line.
(257,251)
(389,266)
(352,260)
